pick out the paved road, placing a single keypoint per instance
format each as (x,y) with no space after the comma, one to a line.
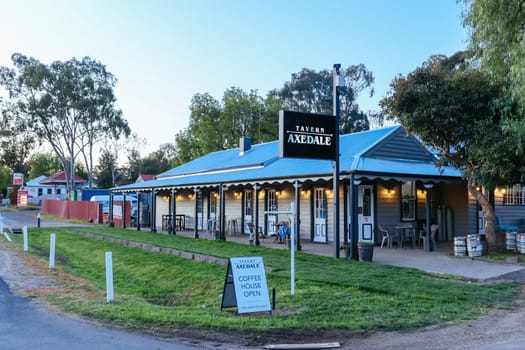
(27,325)
(19,218)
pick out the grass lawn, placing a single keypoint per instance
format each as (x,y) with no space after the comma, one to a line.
(166,291)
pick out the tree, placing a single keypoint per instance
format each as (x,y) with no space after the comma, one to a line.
(497,39)
(44,164)
(311,92)
(16,143)
(217,126)
(158,161)
(63,104)
(105,171)
(6,179)
(102,121)
(453,108)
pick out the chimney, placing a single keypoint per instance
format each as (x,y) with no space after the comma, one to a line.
(245,143)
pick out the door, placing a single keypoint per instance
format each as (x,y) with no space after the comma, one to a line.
(365,213)
(248,211)
(320,215)
(271,219)
(481,222)
(212,215)
(199,211)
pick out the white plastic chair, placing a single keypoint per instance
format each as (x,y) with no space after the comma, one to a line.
(388,237)
(423,235)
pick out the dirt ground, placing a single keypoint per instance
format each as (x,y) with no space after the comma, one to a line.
(503,329)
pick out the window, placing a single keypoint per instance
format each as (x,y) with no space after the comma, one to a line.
(514,195)
(40,191)
(49,191)
(199,202)
(213,204)
(320,203)
(59,190)
(248,203)
(408,201)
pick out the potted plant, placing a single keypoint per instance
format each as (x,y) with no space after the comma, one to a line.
(365,251)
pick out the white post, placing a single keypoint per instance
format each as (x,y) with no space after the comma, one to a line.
(2,229)
(52,251)
(109,277)
(24,230)
(292,251)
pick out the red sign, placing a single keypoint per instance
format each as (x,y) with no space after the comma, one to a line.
(21,198)
(18,179)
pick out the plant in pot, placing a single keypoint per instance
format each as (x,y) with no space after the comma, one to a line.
(365,251)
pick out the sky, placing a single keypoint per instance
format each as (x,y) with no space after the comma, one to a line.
(163,52)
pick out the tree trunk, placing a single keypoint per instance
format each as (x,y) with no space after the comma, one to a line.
(488,212)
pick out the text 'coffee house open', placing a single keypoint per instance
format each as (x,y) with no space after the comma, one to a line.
(245,285)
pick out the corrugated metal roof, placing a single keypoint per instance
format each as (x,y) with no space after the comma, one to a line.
(261,164)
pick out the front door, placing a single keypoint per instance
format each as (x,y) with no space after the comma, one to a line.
(200,210)
(481,222)
(271,219)
(365,213)
(248,211)
(320,215)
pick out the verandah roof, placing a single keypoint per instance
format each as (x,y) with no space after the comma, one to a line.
(262,165)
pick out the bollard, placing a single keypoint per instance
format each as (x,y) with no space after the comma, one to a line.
(109,277)
(52,239)
(38,220)
(24,231)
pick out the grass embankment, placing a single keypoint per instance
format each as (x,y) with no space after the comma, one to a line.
(162,290)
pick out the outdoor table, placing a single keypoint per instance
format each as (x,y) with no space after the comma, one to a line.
(406,231)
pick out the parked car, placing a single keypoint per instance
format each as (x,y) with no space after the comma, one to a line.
(104,200)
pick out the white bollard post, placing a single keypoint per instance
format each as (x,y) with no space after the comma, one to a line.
(24,231)
(52,238)
(109,277)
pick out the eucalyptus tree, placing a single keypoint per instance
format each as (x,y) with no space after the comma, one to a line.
(497,42)
(311,91)
(455,109)
(66,104)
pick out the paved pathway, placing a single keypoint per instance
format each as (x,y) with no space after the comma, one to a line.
(441,261)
